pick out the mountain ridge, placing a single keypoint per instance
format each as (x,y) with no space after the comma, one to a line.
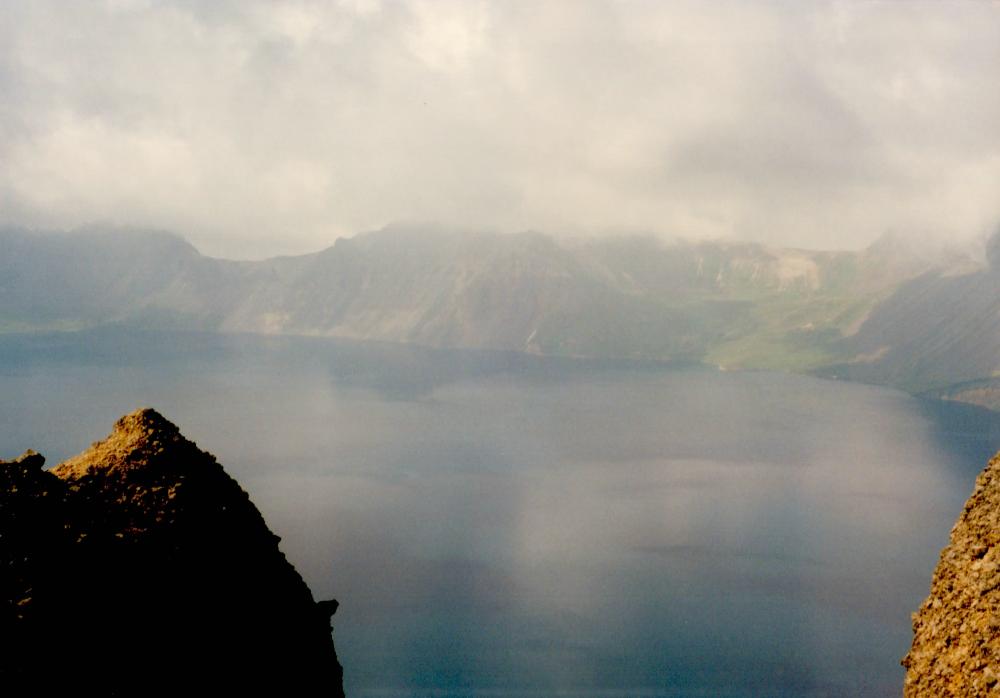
(874,315)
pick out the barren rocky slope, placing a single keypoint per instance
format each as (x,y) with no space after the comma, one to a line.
(956,643)
(140,567)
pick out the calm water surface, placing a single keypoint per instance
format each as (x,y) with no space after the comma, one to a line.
(499,525)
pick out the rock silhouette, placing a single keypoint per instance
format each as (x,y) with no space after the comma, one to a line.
(956,631)
(140,567)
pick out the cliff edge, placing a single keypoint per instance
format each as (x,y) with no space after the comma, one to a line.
(956,631)
(140,567)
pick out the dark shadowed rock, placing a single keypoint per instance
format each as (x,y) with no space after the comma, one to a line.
(140,567)
(956,631)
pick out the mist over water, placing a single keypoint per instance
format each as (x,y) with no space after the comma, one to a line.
(505,525)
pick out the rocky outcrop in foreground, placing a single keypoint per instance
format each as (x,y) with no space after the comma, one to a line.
(956,632)
(140,567)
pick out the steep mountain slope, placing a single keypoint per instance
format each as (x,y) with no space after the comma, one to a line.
(140,567)
(937,330)
(956,631)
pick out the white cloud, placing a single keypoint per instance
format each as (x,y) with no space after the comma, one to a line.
(256,127)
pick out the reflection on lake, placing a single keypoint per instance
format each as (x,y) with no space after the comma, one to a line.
(505,525)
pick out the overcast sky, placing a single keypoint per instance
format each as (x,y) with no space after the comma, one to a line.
(256,128)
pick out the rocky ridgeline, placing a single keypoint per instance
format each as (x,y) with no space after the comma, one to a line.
(140,567)
(956,632)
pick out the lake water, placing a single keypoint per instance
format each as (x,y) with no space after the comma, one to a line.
(501,525)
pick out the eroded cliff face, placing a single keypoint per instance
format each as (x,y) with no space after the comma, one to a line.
(140,567)
(956,631)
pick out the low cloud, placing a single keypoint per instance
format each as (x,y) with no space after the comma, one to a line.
(257,128)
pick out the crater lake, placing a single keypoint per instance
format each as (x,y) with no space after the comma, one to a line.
(499,524)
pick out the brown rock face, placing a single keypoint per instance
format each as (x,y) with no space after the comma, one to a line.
(956,632)
(141,568)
